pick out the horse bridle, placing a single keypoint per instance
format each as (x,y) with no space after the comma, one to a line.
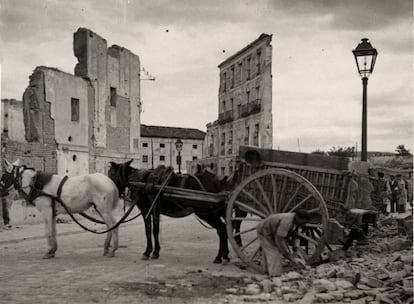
(17,174)
(6,182)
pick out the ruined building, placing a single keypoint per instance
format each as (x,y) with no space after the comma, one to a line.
(244,106)
(76,124)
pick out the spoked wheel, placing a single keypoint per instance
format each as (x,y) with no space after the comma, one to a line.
(268,192)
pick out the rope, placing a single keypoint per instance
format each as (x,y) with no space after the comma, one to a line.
(102,222)
(94,231)
(202,223)
(159,192)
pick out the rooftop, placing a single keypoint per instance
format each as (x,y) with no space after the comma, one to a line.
(262,38)
(171,132)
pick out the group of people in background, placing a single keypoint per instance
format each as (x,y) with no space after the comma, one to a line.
(395,192)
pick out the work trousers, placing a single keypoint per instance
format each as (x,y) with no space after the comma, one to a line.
(273,257)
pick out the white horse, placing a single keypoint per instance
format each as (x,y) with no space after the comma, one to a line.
(78,193)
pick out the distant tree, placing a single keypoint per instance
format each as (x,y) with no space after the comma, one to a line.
(402,151)
(341,151)
(317,151)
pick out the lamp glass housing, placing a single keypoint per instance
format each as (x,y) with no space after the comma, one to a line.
(365,57)
(179,145)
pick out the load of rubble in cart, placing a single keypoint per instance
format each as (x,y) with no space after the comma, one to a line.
(335,191)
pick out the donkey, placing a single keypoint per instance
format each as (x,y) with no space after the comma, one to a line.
(51,192)
(151,209)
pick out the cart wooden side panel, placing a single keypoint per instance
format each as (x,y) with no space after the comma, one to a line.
(332,184)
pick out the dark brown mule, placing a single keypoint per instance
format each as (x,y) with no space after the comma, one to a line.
(151,210)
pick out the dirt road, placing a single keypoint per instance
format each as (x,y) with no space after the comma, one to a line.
(80,274)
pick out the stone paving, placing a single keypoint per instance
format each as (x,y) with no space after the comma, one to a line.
(378,272)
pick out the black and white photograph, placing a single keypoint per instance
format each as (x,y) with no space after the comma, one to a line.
(212,152)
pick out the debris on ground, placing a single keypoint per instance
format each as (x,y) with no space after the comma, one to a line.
(380,271)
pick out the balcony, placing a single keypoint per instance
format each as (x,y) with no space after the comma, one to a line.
(255,106)
(226,117)
(244,110)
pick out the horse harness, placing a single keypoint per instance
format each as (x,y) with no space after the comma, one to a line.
(36,189)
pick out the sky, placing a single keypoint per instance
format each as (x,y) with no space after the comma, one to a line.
(317,91)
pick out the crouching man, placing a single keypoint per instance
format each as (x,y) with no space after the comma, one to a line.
(273,232)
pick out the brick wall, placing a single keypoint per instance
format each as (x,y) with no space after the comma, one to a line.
(39,156)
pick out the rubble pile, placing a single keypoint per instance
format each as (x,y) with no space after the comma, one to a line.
(379,272)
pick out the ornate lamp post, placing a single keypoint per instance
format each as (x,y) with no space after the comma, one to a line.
(365,56)
(179,147)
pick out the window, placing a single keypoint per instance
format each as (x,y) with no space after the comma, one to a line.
(195,146)
(241,71)
(248,96)
(247,135)
(162,158)
(162,145)
(75,109)
(256,135)
(259,54)
(223,143)
(144,158)
(113,97)
(258,92)
(224,81)
(224,105)
(145,145)
(136,143)
(231,104)
(248,67)
(194,157)
(232,76)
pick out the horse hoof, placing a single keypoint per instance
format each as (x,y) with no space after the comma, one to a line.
(155,256)
(226,261)
(110,254)
(144,257)
(217,261)
(49,256)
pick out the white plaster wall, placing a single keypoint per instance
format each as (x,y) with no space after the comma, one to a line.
(67,166)
(98,73)
(15,121)
(60,88)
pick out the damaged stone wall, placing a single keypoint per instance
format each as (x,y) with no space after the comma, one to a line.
(110,71)
(39,150)
(33,107)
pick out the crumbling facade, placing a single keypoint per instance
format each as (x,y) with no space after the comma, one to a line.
(87,119)
(244,106)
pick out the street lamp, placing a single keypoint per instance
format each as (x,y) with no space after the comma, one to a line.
(365,56)
(179,147)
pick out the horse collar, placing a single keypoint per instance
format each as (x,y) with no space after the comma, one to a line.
(36,190)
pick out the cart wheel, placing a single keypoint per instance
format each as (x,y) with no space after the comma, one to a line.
(272,191)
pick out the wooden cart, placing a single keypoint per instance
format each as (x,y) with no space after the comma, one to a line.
(270,187)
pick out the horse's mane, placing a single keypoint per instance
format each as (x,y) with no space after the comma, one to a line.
(41,179)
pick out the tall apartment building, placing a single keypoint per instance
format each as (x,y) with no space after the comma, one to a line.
(158,146)
(76,124)
(244,106)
